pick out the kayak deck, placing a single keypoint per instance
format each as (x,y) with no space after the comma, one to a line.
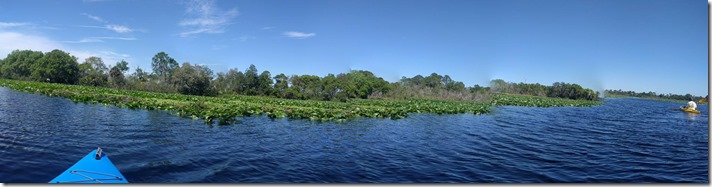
(93,168)
(690,111)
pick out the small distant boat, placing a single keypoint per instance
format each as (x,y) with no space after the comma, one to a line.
(93,168)
(689,110)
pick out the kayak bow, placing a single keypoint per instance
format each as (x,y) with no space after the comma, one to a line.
(93,168)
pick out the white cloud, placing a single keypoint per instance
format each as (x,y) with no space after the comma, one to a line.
(85,40)
(10,41)
(118,28)
(198,31)
(12,24)
(100,39)
(111,57)
(206,18)
(95,18)
(24,25)
(115,28)
(116,38)
(300,35)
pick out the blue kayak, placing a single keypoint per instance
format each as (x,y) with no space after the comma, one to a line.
(93,168)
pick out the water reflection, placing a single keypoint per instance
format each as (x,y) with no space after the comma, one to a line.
(691,117)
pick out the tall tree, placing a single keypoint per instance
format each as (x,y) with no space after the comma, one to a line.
(93,72)
(163,65)
(332,87)
(281,84)
(499,85)
(239,81)
(117,73)
(18,64)
(361,84)
(229,82)
(434,80)
(56,66)
(194,80)
(140,75)
(310,86)
(251,80)
(264,86)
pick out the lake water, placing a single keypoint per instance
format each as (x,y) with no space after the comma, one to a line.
(624,140)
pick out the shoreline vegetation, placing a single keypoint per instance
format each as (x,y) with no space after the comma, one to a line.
(224,109)
(653,96)
(195,91)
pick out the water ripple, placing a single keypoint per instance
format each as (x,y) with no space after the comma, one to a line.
(602,144)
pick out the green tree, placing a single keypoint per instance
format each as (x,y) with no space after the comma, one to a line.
(499,85)
(311,86)
(332,87)
(56,66)
(93,72)
(293,93)
(361,84)
(117,73)
(238,79)
(251,80)
(163,65)
(193,80)
(18,64)
(281,84)
(456,86)
(434,81)
(140,75)
(229,82)
(264,86)
(220,84)
(479,89)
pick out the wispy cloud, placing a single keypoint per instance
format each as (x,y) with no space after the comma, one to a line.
(206,18)
(111,56)
(10,41)
(95,18)
(12,24)
(85,40)
(112,27)
(119,28)
(116,38)
(300,35)
(267,28)
(100,39)
(115,28)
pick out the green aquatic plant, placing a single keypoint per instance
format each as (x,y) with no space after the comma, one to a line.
(225,109)
(533,101)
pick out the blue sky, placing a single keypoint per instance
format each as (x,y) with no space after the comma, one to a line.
(651,45)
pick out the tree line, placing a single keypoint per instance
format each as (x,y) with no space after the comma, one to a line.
(168,76)
(556,90)
(655,95)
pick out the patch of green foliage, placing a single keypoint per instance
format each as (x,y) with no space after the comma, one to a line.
(225,109)
(652,95)
(525,100)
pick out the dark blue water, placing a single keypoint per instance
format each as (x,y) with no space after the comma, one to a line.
(625,140)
